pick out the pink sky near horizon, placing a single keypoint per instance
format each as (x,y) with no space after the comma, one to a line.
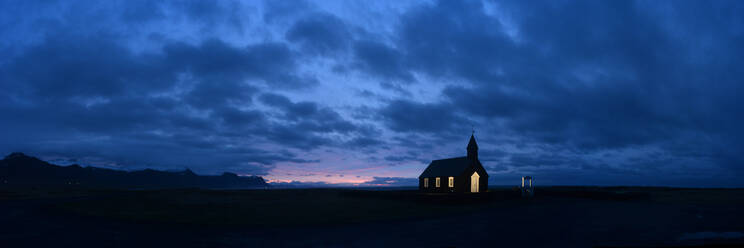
(337,172)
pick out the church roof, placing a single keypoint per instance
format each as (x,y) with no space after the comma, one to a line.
(447,167)
(472,143)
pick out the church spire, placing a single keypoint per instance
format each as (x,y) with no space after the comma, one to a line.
(472,147)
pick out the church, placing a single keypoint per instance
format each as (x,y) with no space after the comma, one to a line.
(460,174)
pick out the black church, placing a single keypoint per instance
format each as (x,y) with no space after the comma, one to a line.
(460,174)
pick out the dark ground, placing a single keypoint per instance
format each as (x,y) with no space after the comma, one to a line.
(556,217)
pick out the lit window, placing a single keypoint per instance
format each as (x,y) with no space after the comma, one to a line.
(426,182)
(437,183)
(451,182)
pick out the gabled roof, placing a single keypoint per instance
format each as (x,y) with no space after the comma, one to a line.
(449,167)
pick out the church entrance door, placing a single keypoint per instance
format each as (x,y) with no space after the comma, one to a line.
(474,180)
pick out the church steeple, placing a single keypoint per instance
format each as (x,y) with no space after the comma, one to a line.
(472,148)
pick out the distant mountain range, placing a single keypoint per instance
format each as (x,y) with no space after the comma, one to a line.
(17,169)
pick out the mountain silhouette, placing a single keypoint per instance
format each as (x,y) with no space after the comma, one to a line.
(18,169)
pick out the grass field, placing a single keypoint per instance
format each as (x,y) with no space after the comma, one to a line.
(570,216)
(260,208)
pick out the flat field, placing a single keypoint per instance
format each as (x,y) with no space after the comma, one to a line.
(555,217)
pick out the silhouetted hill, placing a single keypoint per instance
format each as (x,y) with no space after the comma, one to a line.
(17,169)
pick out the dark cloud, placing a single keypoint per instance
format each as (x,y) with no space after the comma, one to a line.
(308,115)
(306,125)
(587,83)
(84,92)
(410,158)
(381,61)
(62,67)
(569,91)
(410,116)
(320,34)
(278,10)
(414,140)
(539,160)
(83,67)
(365,142)
(217,60)
(456,39)
(141,11)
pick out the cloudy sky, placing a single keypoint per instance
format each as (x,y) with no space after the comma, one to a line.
(368,92)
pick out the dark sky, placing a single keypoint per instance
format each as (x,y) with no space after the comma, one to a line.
(368,92)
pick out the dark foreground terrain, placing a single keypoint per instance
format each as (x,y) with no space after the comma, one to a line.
(556,217)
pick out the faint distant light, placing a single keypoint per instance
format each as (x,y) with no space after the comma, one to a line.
(528,190)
